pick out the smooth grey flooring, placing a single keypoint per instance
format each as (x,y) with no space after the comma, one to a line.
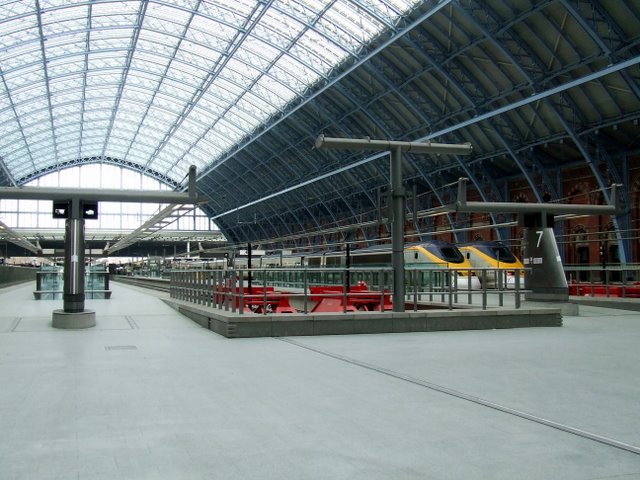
(148,394)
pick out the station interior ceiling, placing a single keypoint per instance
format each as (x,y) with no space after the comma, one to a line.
(243,89)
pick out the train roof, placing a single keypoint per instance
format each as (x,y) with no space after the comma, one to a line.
(487,243)
(435,243)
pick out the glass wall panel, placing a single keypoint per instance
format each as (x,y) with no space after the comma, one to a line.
(34,214)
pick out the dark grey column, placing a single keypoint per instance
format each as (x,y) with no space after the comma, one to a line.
(73,294)
(546,279)
(397,191)
(397,229)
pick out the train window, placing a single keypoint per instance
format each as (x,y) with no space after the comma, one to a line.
(451,254)
(415,255)
(503,254)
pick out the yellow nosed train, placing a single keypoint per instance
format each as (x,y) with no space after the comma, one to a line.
(441,254)
(500,263)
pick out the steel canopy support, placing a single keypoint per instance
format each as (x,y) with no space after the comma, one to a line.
(73,315)
(105,195)
(390,145)
(73,293)
(546,278)
(462,205)
(397,190)
(397,229)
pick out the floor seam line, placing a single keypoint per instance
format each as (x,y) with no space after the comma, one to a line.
(470,398)
(132,322)
(14,324)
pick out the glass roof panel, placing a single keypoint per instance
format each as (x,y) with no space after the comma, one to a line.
(67,82)
(109,39)
(61,20)
(232,14)
(275,93)
(207,31)
(193,131)
(17,57)
(157,83)
(9,136)
(19,29)
(21,81)
(31,108)
(65,68)
(16,8)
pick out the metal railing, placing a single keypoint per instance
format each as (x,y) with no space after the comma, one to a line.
(614,280)
(264,290)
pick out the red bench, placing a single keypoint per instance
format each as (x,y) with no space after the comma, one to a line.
(586,289)
(330,298)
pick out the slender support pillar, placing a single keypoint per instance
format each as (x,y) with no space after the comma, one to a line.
(397,229)
(249,266)
(347,264)
(76,204)
(397,191)
(73,294)
(73,314)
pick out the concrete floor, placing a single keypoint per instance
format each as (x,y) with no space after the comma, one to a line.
(148,394)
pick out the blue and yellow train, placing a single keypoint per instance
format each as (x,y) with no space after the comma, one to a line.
(435,254)
(498,261)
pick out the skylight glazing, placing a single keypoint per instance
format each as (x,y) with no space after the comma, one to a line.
(163,84)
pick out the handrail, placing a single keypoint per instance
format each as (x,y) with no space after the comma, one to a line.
(229,290)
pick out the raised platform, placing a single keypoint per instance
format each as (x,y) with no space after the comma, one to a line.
(618,303)
(234,325)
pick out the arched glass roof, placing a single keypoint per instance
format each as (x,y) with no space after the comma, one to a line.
(162,85)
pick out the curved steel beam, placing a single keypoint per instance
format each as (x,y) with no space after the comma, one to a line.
(342,75)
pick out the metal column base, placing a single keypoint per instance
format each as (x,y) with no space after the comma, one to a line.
(557,295)
(74,320)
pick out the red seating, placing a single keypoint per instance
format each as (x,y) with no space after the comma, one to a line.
(330,298)
(331,304)
(327,298)
(257,301)
(599,290)
(284,306)
(222,292)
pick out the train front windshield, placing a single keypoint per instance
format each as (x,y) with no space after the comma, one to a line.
(448,253)
(502,254)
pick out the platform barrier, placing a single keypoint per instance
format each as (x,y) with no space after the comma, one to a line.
(604,281)
(599,290)
(266,291)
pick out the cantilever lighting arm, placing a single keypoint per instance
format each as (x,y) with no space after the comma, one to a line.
(390,145)
(396,149)
(462,205)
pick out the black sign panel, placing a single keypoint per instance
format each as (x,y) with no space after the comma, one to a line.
(90,210)
(61,209)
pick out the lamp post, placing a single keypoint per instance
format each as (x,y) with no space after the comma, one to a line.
(397,190)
